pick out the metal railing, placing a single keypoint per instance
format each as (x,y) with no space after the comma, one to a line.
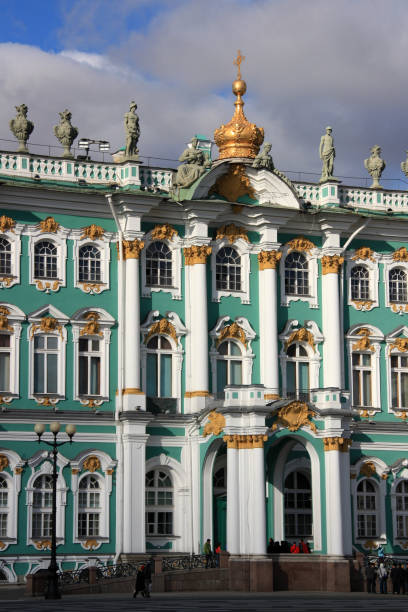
(102,572)
(187,562)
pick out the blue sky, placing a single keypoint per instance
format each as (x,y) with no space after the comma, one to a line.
(309,63)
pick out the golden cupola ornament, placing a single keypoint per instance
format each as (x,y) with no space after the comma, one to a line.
(239,138)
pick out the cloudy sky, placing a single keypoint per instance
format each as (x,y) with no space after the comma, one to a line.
(309,63)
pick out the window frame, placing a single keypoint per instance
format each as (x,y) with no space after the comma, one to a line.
(59,240)
(244,250)
(14,317)
(14,238)
(12,475)
(313,269)
(381,484)
(297,511)
(313,353)
(373,282)
(389,265)
(103,244)
(156,508)
(375,339)
(364,512)
(175,245)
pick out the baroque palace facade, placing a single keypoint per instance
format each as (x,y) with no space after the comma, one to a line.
(232,347)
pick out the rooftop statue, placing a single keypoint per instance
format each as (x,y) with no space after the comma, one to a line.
(132,130)
(21,127)
(195,164)
(375,166)
(327,154)
(404,166)
(65,132)
(264,159)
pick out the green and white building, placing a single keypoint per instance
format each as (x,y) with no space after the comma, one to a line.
(233,353)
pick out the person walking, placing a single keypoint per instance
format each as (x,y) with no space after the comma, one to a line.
(371,577)
(382,575)
(148,579)
(395,579)
(270,547)
(208,553)
(217,555)
(140,582)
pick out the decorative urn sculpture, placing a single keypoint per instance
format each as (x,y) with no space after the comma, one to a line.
(375,166)
(65,132)
(21,127)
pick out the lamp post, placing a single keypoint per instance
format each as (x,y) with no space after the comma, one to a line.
(53,591)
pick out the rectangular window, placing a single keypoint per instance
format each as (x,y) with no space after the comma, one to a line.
(3,525)
(221,375)
(165,376)
(41,524)
(45,364)
(399,381)
(152,390)
(5,355)
(362,379)
(89,367)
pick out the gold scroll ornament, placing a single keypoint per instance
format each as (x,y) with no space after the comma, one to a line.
(363,253)
(215,424)
(294,416)
(232,331)
(301,244)
(7,224)
(364,343)
(92,327)
(164,232)
(269,260)
(49,226)
(161,327)
(337,443)
(93,232)
(400,254)
(196,254)
(331,264)
(232,232)
(92,464)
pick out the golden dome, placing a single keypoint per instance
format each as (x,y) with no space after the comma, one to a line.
(239,137)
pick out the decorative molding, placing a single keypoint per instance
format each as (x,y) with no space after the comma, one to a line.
(7,224)
(363,253)
(161,327)
(232,232)
(92,288)
(164,232)
(75,471)
(232,331)
(4,322)
(47,286)
(131,248)
(46,401)
(301,244)
(91,544)
(92,463)
(301,335)
(242,441)
(362,304)
(4,462)
(331,264)
(132,391)
(234,184)
(190,394)
(18,470)
(92,328)
(364,343)
(337,443)
(47,325)
(271,396)
(196,254)
(49,226)
(93,232)
(400,254)
(42,544)
(294,416)
(6,281)
(269,260)
(215,424)
(400,344)
(367,469)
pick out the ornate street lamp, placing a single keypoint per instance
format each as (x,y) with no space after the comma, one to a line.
(53,591)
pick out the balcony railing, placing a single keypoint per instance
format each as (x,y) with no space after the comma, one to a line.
(161,405)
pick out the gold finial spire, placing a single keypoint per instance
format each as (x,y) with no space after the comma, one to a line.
(237,62)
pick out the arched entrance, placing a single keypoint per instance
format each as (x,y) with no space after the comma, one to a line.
(215,494)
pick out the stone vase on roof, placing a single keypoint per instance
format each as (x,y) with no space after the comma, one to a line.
(22,127)
(66,132)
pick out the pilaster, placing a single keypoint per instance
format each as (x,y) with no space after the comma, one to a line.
(268,261)
(331,320)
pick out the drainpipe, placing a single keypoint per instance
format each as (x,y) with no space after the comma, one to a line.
(119,403)
(353,235)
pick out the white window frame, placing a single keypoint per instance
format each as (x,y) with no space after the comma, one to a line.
(59,240)
(12,474)
(103,244)
(375,512)
(15,317)
(375,338)
(308,474)
(244,250)
(311,258)
(314,356)
(34,329)
(105,478)
(399,332)
(397,540)
(156,507)
(247,353)
(78,324)
(373,280)
(40,465)
(177,351)
(381,485)
(175,245)
(14,238)
(389,264)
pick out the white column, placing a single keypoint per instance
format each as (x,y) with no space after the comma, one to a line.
(134,467)
(197,325)
(337,498)
(133,396)
(346,506)
(333,348)
(268,324)
(257,502)
(233,518)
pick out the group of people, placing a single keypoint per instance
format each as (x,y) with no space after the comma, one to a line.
(300,547)
(379,571)
(143,580)
(211,559)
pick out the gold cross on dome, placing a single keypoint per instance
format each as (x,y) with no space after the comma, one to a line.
(237,62)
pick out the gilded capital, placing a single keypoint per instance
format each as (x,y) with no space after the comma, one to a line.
(3,462)
(196,254)
(400,254)
(331,264)
(215,424)
(269,260)
(337,444)
(245,441)
(131,248)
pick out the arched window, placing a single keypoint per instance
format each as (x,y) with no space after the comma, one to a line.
(46,364)
(362,367)
(89,507)
(399,381)
(45,260)
(296,274)
(158,265)
(228,270)
(401,497)
(297,372)
(42,506)
(159,503)
(159,367)
(360,283)
(367,509)
(229,365)
(5,256)
(298,506)
(4,507)
(398,285)
(89,264)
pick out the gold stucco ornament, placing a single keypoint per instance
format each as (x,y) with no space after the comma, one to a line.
(3,462)
(239,137)
(92,464)
(301,244)
(164,232)
(92,327)
(234,184)
(269,260)
(401,344)
(294,416)
(364,343)
(49,226)
(232,331)
(161,327)
(93,232)
(7,224)
(215,424)
(301,335)
(232,232)
(400,254)
(363,253)
(367,469)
